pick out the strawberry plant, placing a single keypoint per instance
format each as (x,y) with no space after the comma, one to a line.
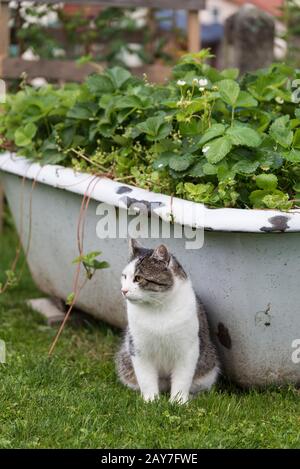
(206,135)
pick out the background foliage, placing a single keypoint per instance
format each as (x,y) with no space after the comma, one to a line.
(101,36)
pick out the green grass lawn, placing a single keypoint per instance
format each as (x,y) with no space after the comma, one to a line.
(74,399)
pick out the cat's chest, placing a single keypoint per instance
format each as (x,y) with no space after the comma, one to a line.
(162,336)
(161,346)
(157,336)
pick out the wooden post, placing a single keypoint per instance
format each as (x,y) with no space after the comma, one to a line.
(4,46)
(151,26)
(199,30)
(194,42)
(1,208)
(4,31)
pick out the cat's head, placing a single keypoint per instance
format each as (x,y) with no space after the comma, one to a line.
(151,274)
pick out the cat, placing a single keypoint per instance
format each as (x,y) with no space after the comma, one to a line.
(167,345)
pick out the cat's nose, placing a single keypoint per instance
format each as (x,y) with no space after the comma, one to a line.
(124,291)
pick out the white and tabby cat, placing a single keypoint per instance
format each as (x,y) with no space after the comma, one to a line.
(167,343)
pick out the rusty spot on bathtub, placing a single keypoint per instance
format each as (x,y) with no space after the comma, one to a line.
(123,190)
(142,205)
(263,317)
(58,169)
(279,223)
(223,335)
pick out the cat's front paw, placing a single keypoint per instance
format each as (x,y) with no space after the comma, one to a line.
(179,398)
(149,397)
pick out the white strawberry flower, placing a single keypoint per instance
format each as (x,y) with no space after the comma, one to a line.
(181,83)
(203,82)
(205,149)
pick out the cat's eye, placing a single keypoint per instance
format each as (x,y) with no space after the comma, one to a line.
(138,278)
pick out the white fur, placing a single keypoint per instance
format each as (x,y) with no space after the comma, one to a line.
(205,382)
(165,331)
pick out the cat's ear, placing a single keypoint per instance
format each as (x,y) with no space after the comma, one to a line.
(161,253)
(135,248)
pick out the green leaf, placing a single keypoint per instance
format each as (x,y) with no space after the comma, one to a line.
(164,145)
(293,156)
(294,123)
(196,106)
(108,101)
(70,298)
(231,73)
(99,84)
(119,76)
(163,131)
(24,135)
(180,162)
(150,126)
(198,192)
(82,111)
(267,156)
(259,120)
(280,131)
(214,131)
(90,262)
(210,169)
(67,135)
(266,181)
(127,102)
(53,156)
(225,174)
(155,127)
(229,91)
(246,166)
(277,200)
(189,129)
(256,198)
(163,160)
(105,128)
(100,265)
(217,149)
(197,170)
(245,99)
(296,140)
(11,278)
(265,87)
(243,135)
